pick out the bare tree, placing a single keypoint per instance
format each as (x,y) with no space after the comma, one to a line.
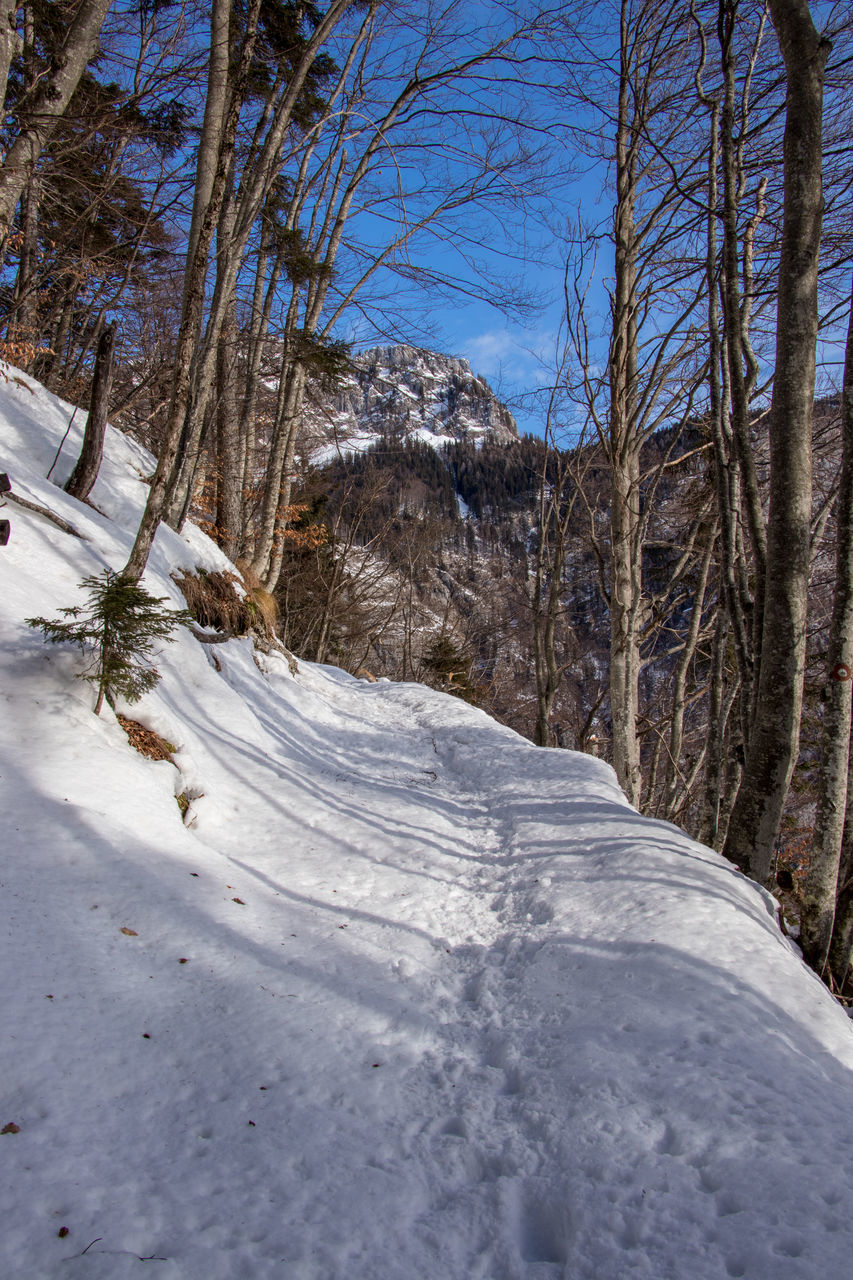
(826,877)
(363,161)
(223,139)
(653,372)
(756,816)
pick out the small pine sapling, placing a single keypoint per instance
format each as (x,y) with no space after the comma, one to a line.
(121,624)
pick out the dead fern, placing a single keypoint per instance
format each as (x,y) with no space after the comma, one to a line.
(146,741)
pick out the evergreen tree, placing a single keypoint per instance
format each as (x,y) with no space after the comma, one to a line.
(120,626)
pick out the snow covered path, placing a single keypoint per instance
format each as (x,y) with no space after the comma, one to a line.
(411,999)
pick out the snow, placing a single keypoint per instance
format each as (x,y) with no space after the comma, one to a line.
(403,386)
(361,441)
(342,444)
(409,997)
(425,435)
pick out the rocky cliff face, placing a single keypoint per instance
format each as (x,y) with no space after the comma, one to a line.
(405,391)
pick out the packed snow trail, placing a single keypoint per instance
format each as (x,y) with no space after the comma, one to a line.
(409,998)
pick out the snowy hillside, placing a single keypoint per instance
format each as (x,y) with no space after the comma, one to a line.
(407,999)
(406,391)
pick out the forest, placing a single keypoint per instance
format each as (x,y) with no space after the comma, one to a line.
(207,211)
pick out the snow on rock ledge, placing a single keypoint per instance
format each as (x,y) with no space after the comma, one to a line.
(406,391)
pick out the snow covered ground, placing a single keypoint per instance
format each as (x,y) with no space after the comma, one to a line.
(410,998)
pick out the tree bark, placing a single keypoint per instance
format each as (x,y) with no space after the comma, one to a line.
(821,883)
(734,319)
(213,123)
(624,445)
(289,429)
(9,41)
(713,780)
(757,813)
(24,310)
(841,947)
(679,680)
(229,487)
(85,473)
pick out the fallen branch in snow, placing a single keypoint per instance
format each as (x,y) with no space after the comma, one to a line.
(118,1253)
(44,511)
(205,638)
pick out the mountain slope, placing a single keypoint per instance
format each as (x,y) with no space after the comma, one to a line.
(448,1006)
(405,392)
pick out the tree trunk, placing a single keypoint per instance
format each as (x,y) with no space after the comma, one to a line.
(213,123)
(9,41)
(169,460)
(623,448)
(624,644)
(841,947)
(713,781)
(822,879)
(229,488)
(205,371)
(85,473)
(733,320)
(757,813)
(679,681)
(24,326)
(555,509)
(726,472)
(288,407)
(259,327)
(273,570)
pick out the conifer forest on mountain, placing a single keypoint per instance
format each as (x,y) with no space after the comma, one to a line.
(240,233)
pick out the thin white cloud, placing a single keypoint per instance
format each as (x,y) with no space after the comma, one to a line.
(518,359)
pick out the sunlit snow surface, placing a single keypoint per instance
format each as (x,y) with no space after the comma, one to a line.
(472,1016)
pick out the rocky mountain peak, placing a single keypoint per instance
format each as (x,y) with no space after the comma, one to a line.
(406,391)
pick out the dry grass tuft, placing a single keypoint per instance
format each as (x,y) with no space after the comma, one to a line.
(247,573)
(263,602)
(146,741)
(214,601)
